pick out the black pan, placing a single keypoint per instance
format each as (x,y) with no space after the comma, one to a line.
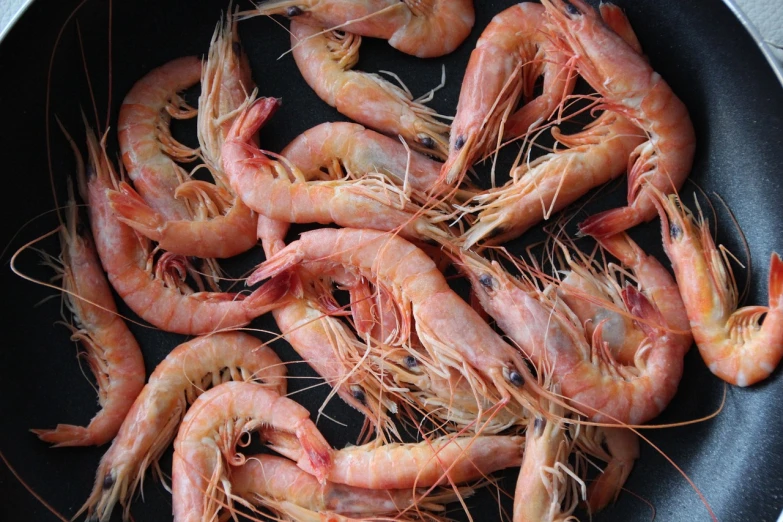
(702,50)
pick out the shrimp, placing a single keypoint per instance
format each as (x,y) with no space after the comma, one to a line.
(127,259)
(207,439)
(551,182)
(548,333)
(445,460)
(731,341)
(265,186)
(423,28)
(275,482)
(622,450)
(183,375)
(111,349)
(146,143)
(343,147)
(453,334)
(629,86)
(510,55)
(326,61)
(223,225)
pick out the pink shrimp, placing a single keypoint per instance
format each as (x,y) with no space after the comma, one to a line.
(326,61)
(423,28)
(265,186)
(183,375)
(127,259)
(732,343)
(207,438)
(453,334)
(277,483)
(587,372)
(550,183)
(222,226)
(110,348)
(510,55)
(629,86)
(622,450)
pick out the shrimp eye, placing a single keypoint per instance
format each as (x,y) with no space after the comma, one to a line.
(515,378)
(459,143)
(237,48)
(675,232)
(359,395)
(428,142)
(486,281)
(410,361)
(572,9)
(108,481)
(538,426)
(294,11)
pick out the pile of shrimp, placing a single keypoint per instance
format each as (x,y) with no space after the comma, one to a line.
(552,365)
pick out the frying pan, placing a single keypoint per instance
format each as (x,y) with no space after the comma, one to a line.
(699,47)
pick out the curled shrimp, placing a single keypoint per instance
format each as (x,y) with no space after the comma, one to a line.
(628,85)
(550,183)
(222,226)
(423,28)
(278,484)
(550,334)
(453,334)
(151,424)
(110,348)
(731,341)
(326,61)
(510,55)
(127,259)
(266,187)
(207,439)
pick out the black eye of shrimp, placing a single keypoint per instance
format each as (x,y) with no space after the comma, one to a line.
(675,232)
(460,142)
(294,11)
(572,9)
(359,395)
(237,48)
(108,481)
(410,361)
(538,426)
(515,378)
(428,142)
(486,281)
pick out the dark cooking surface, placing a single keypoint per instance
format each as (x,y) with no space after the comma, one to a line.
(734,99)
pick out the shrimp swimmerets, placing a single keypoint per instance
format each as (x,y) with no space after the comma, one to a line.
(111,350)
(207,439)
(629,86)
(128,259)
(326,61)
(731,341)
(510,55)
(451,331)
(183,375)
(423,28)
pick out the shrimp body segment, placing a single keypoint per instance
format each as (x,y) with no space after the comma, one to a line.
(127,259)
(152,422)
(326,62)
(146,143)
(423,28)
(510,55)
(207,438)
(731,341)
(111,349)
(629,86)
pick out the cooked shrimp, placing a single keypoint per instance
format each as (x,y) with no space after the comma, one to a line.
(453,334)
(127,259)
(550,183)
(347,148)
(731,341)
(548,333)
(326,61)
(446,460)
(111,350)
(207,439)
(146,143)
(265,186)
(622,450)
(183,375)
(222,226)
(277,483)
(629,86)
(423,28)
(510,55)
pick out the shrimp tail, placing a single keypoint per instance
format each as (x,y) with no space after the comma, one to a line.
(643,308)
(252,119)
(274,293)
(317,451)
(132,210)
(605,489)
(275,265)
(66,435)
(610,222)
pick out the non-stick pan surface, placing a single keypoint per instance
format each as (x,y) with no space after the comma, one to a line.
(735,101)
